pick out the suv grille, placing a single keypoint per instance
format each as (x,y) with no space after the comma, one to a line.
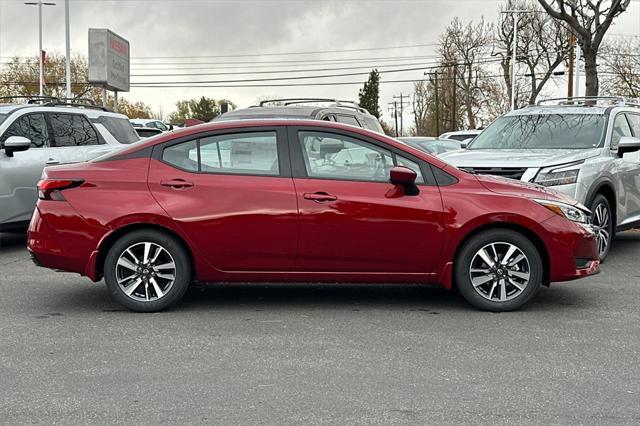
(508,172)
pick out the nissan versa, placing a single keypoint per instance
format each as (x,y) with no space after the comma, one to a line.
(302,201)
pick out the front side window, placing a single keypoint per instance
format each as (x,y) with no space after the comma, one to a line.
(332,156)
(241,153)
(542,131)
(160,125)
(30,126)
(72,130)
(411,165)
(620,128)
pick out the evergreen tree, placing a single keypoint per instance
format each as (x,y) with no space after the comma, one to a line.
(368,95)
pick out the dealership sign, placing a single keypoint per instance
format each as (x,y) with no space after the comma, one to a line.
(108,60)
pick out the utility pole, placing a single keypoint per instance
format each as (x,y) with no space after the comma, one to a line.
(67,49)
(515,13)
(572,42)
(40,3)
(393,109)
(576,80)
(453,101)
(402,105)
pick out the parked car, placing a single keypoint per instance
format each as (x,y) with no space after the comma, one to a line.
(147,132)
(302,201)
(346,112)
(464,136)
(586,148)
(152,123)
(430,145)
(34,135)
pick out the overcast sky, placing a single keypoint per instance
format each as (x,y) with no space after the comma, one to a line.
(175,29)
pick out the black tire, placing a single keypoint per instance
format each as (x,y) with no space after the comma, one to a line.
(502,238)
(601,202)
(174,252)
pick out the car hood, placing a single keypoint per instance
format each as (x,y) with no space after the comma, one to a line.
(516,157)
(516,188)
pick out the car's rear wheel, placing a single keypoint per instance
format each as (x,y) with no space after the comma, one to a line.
(498,270)
(147,270)
(602,221)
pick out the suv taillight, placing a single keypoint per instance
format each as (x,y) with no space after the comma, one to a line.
(51,189)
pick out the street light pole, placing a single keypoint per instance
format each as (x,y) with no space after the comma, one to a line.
(40,3)
(515,13)
(67,48)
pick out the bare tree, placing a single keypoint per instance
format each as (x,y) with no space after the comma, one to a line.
(462,48)
(542,45)
(420,105)
(621,71)
(589,20)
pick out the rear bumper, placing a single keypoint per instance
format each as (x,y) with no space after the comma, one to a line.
(69,248)
(572,249)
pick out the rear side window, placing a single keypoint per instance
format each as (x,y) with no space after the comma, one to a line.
(72,130)
(240,153)
(372,123)
(120,128)
(347,119)
(30,126)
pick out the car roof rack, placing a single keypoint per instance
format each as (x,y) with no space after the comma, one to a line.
(591,100)
(333,102)
(56,101)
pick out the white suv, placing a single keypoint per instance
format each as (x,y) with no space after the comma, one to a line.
(587,148)
(33,136)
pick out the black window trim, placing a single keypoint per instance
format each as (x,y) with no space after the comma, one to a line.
(52,139)
(299,170)
(284,163)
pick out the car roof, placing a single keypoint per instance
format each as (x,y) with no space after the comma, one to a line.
(269,112)
(142,120)
(89,112)
(246,124)
(558,109)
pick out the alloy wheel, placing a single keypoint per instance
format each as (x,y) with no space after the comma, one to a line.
(499,271)
(145,271)
(601,220)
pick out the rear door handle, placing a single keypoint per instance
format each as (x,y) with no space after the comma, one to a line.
(176,183)
(319,197)
(52,161)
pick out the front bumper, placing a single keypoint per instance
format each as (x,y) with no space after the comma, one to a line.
(572,249)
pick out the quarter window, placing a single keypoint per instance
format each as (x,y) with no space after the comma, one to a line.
(333,156)
(72,130)
(241,153)
(634,121)
(30,126)
(620,128)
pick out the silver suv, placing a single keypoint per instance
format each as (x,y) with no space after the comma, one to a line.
(587,148)
(35,135)
(346,112)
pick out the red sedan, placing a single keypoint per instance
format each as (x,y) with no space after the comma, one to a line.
(302,201)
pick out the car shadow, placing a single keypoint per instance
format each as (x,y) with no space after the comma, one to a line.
(12,241)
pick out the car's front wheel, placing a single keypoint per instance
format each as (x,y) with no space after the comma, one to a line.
(602,220)
(147,270)
(498,270)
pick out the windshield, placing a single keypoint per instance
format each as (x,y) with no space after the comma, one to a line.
(542,131)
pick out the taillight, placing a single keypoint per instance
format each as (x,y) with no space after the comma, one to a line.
(51,189)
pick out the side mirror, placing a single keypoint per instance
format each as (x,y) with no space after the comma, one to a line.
(405,177)
(626,144)
(15,144)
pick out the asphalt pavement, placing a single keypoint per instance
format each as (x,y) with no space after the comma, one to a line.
(311,354)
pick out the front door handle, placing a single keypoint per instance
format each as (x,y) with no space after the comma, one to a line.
(319,197)
(52,161)
(176,183)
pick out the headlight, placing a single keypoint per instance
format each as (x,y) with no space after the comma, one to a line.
(559,175)
(577,213)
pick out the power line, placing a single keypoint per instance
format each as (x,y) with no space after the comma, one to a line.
(317,52)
